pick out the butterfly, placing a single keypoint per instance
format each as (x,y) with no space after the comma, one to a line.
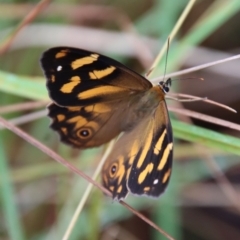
(96,99)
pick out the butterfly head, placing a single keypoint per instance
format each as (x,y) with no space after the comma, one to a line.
(165,85)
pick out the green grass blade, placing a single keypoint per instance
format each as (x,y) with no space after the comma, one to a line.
(211,20)
(29,87)
(161,10)
(206,137)
(10,211)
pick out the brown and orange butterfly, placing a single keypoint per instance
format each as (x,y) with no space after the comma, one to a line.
(95,98)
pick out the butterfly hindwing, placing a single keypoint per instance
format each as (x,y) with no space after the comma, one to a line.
(88,126)
(141,159)
(152,166)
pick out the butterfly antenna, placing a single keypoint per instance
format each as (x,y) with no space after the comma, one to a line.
(165,68)
(165,85)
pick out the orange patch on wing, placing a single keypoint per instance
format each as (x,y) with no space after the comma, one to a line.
(166,176)
(84,61)
(144,173)
(64,130)
(61,54)
(145,149)
(79,121)
(165,156)
(74,109)
(146,189)
(99,91)
(60,117)
(134,151)
(52,78)
(158,145)
(119,189)
(68,87)
(98,74)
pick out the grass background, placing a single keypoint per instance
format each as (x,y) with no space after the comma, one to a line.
(38,196)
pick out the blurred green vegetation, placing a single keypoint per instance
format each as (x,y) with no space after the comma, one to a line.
(39,196)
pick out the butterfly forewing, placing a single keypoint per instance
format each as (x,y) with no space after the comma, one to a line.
(91,94)
(79,77)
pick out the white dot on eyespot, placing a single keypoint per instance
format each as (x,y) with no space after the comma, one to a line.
(59,68)
(155,181)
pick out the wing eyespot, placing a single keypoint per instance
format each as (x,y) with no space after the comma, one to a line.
(84,133)
(113,170)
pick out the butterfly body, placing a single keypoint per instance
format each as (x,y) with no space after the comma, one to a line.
(96,98)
